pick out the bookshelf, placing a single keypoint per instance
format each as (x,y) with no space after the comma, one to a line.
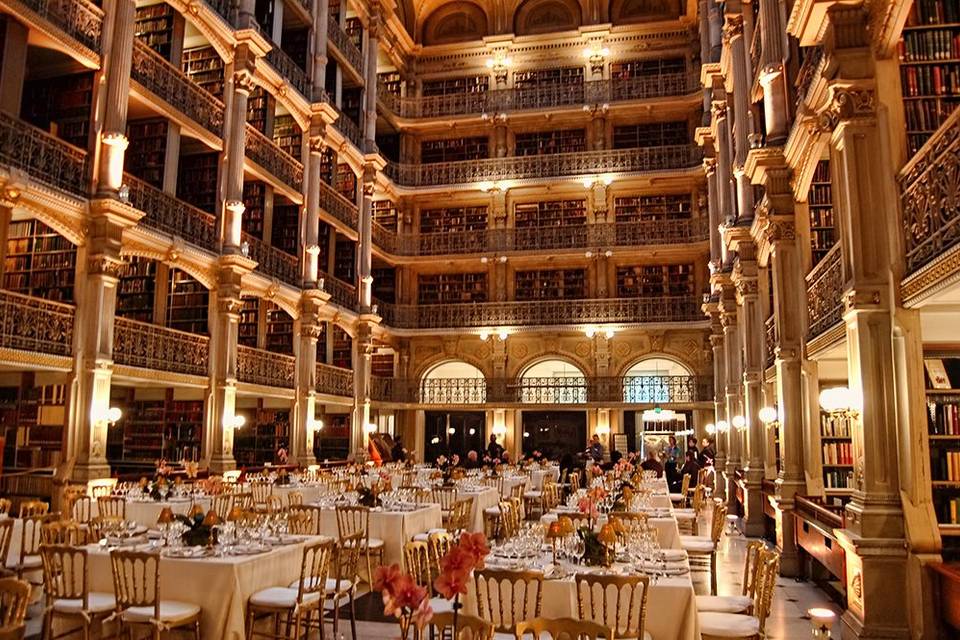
(346,182)
(452,288)
(39,262)
(288,136)
(187,304)
(537,143)
(836,452)
(157,428)
(323,239)
(653,134)
(204,66)
(342,348)
(61,105)
(652,208)
(453,219)
(327,161)
(566,76)
(655,280)
(385,214)
(942,378)
(354,29)
(553,213)
(266,431)
(153,25)
(146,156)
(381,364)
(929,68)
(455,86)
(823,233)
(137,289)
(351,103)
(650,67)
(279,330)
(390,82)
(248,330)
(254,212)
(385,284)
(551,284)
(263,12)
(345,259)
(333,443)
(455,149)
(197,180)
(295,43)
(285,231)
(257,107)
(33,418)
(323,356)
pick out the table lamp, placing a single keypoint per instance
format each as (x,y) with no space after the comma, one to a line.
(821,619)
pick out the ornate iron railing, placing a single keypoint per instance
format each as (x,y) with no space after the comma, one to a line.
(813,57)
(338,206)
(344,45)
(548,165)
(543,312)
(825,293)
(35,324)
(335,381)
(222,7)
(139,344)
(45,158)
(168,83)
(770,336)
(173,216)
(350,129)
(929,201)
(257,366)
(643,390)
(341,293)
(287,68)
(542,97)
(273,262)
(80,19)
(266,153)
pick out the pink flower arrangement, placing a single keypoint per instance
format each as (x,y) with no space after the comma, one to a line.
(459,562)
(282,455)
(403,598)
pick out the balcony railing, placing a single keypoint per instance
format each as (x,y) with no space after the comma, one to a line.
(812,58)
(547,166)
(170,84)
(43,157)
(80,19)
(825,293)
(273,262)
(173,216)
(644,390)
(770,335)
(548,96)
(542,312)
(341,293)
(338,206)
(148,346)
(256,366)
(344,45)
(266,153)
(350,129)
(35,324)
(928,197)
(290,70)
(334,381)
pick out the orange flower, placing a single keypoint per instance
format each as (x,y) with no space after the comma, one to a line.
(423,614)
(450,584)
(476,545)
(385,578)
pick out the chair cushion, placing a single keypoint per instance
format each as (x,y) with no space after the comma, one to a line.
(441,605)
(339,586)
(728,625)
(699,544)
(724,604)
(280,597)
(98,603)
(29,562)
(171,612)
(373,543)
(492,511)
(676,497)
(533,495)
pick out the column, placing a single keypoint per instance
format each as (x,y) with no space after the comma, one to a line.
(305,405)
(365,238)
(320,33)
(733,379)
(727,199)
(719,400)
(742,126)
(710,169)
(96,294)
(310,266)
(370,83)
(362,357)
(772,76)
(715,23)
(117,52)
(238,90)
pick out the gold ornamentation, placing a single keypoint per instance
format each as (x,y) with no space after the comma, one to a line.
(105,265)
(847,103)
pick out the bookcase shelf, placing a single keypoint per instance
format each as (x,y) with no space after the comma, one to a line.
(354,29)
(453,219)
(147,153)
(345,259)
(528,79)
(258,105)
(333,442)
(254,202)
(153,25)
(342,348)
(455,86)
(391,82)
(450,288)
(385,214)
(551,284)
(288,136)
(157,428)
(279,330)
(553,213)
(652,208)
(248,330)
(351,104)
(295,43)
(385,284)
(39,262)
(137,289)
(346,182)
(32,417)
(266,431)
(536,143)
(929,68)
(655,280)
(455,149)
(942,377)
(61,105)
(205,67)
(650,67)
(285,233)
(836,451)
(823,233)
(197,180)
(651,134)
(187,303)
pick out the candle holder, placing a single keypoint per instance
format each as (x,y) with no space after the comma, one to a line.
(821,620)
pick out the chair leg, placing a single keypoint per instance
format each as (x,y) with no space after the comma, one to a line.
(353,617)
(250,618)
(196,630)
(713,573)
(336,616)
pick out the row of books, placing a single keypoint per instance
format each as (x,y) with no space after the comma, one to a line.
(836,479)
(948,511)
(931,80)
(930,45)
(928,115)
(834,426)
(934,12)
(945,465)
(943,419)
(837,453)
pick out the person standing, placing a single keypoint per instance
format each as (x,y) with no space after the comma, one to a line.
(494,450)
(595,450)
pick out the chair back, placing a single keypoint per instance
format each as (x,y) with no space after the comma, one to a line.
(30,536)
(65,573)
(6,534)
(294,498)
(96,526)
(719,521)
(416,558)
(495,482)
(136,579)
(112,507)
(5,505)
(14,598)
(684,489)
(440,543)
(273,504)
(445,497)
(468,627)
(574,480)
(459,518)
(348,553)
(767,573)
(699,493)
(300,523)
(261,490)
(507,597)
(353,519)
(751,567)
(615,601)
(517,490)
(563,629)
(81,509)
(314,568)
(222,504)
(32,508)
(243,499)
(62,532)
(313,514)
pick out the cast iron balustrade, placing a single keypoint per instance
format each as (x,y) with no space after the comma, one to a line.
(543,312)
(266,153)
(350,129)
(676,156)
(290,70)
(929,197)
(813,57)
(338,206)
(335,381)
(149,346)
(173,216)
(222,7)
(43,157)
(770,335)
(345,45)
(547,96)
(168,83)
(272,261)
(257,366)
(80,19)
(825,293)
(35,324)
(341,293)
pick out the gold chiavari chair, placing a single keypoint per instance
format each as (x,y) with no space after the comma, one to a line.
(445,497)
(297,602)
(459,518)
(222,504)
(687,518)
(261,491)
(81,509)
(742,603)
(66,532)
(6,535)
(299,523)
(418,560)
(112,507)
(495,482)
(294,498)
(680,499)
(313,514)
(32,508)
(96,527)
(511,516)
(505,598)
(274,504)
(615,601)
(440,543)
(563,629)
(355,519)
(14,598)
(28,565)
(702,550)
(517,492)
(243,500)
(5,506)
(715,625)
(575,482)
(66,585)
(342,583)
(136,586)
(468,627)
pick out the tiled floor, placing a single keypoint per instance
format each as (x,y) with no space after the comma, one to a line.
(787,620)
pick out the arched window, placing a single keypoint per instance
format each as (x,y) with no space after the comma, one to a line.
(658,381)
(546,16)
(453,382)
(553,382)
(455,22)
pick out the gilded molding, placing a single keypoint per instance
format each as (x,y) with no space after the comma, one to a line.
(846,103)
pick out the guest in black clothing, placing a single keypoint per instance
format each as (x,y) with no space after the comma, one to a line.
(615,457)
(690,467)
(595,450)
(692,444)
(398,453)
(494,450)
(707,454)
(652,463)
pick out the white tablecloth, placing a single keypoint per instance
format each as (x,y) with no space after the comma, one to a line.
(484,499)
(537,476)
(668,533)
(395,528)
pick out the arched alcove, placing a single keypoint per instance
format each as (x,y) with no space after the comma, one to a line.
(453,382)
(546,16)
(658,380)
(553,381)
(455,22)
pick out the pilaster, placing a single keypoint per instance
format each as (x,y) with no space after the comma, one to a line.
(733,357)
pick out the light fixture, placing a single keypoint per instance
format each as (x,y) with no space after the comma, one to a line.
(435,440)
(596,54)
(723,426)
(472,431)
(484,335)
(608,333)
(451,430)
(711,428)
(370,427)
(658,414)
(503,335)
(114,414)
(821,619)
(526,434)
(317,425)
(499,64)
(236,421)
(590,332)
(838,400)
(739,423)
(768,415)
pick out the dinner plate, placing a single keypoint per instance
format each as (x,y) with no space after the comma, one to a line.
(187,552)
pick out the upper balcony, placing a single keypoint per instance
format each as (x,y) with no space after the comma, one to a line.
(342,45)
(557,165)
(825,294)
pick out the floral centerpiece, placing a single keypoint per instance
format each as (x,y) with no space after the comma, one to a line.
(159,487)
(368,497)
(282,455)
(446,466)
(492,465)
(201,529)
(598,547)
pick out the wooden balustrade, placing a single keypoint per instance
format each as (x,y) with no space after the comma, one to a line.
(34,324)
(46,159)
(825,284)
(341,293)
(257,366)
(149,346)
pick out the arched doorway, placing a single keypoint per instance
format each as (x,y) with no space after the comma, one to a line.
(553,432)
(454,431)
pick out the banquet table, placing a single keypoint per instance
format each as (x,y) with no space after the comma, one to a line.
(483,498)
(395,528)
(668,533)
(537,476)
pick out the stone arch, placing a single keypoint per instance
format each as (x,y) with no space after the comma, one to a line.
(455,22)
(463,383)
(547,16)
(198,269)
(632,11)
(665,380)
(440,359)
(680,362)
(543,356)
(539,382)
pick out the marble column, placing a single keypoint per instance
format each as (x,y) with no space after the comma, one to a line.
(719,400)
(318,75)
(733,356)
(370,83)
(305,404)
(773,79)
(742,121)
(310,265)
(240,86)
(114,94)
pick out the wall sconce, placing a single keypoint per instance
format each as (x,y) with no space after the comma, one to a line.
(769,416)
(710,428)
(723,426)
(317,426)
(839,401)
(596,54)
(821,620)
(370,428)
(739,423)
(500,63)
(109,416)
(595,181)
(234,422)
(499,430)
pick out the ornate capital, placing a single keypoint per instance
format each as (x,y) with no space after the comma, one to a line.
(243,81)
(104,265)
(317,145)
(719,109)
(230,305)
(732,27)
(312,331)
(709,166)
(780,231)
(847,103)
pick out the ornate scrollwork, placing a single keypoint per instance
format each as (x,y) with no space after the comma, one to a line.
(780,231)
(243,81)
(847,103)
(104,265)
(825,293)
(732,28)
(256,366)
(334,380)
(229,305)
(33,324)
(42,156)
(139,344)
(345,45)
(266,153)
